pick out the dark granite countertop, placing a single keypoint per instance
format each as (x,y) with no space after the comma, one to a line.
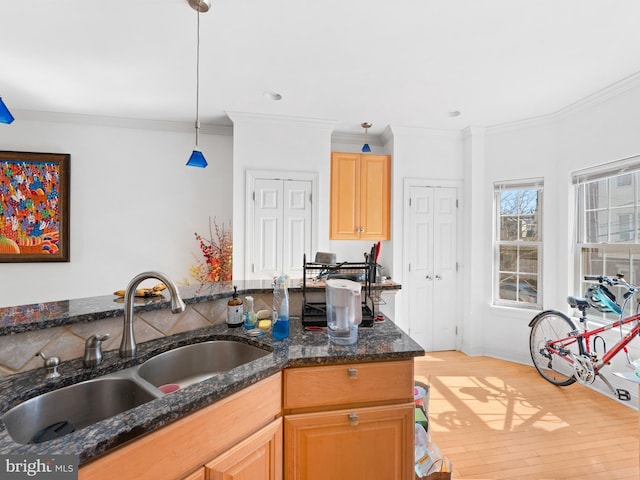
(24,318)
(384,341)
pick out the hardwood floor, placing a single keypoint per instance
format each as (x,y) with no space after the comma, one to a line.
(500,420)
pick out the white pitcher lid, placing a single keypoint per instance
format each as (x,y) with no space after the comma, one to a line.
(344,284)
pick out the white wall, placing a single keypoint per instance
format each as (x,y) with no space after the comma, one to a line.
(420,154)
(598,130)
(268,142)
(512,154)
(134,204)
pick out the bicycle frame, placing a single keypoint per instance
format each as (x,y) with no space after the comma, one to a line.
(584,345)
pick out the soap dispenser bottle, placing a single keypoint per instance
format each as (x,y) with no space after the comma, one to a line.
(234,310)
(280,308)
(250,318)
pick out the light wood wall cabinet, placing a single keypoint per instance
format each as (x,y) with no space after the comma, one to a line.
(222,432)
(360,196)
(350,421)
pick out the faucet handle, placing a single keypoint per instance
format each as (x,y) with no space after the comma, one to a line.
(93,350)
(94,341)
(51,365)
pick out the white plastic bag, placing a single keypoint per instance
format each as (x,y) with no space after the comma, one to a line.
(428,459)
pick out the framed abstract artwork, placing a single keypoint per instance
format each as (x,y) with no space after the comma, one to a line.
(34,207)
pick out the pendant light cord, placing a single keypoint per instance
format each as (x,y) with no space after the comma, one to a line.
(198,77)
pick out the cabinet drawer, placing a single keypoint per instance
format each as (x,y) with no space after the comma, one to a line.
(355,444)
(348,384)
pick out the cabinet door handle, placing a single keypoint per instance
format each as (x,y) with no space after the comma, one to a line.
(353,419)
(352,372)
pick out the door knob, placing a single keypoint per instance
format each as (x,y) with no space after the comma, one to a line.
(438,277)
(429,277)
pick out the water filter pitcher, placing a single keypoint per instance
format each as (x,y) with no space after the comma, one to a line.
(344,310)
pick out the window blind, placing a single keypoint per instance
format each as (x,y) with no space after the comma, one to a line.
(612,169)
(520,184)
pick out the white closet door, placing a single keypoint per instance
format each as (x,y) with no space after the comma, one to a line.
(432,259)
(267,227)
(296,226)
(282,227)
(421,267)
(445,263)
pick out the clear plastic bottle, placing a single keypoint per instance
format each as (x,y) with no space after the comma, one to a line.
(234,310)
(280,308)
(249,314)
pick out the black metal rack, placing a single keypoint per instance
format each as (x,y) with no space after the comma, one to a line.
(315,313)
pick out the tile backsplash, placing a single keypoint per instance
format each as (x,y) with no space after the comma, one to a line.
(18,352)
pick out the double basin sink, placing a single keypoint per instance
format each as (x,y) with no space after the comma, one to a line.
(57,413)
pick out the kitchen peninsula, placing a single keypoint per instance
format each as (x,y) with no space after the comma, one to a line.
(380,363)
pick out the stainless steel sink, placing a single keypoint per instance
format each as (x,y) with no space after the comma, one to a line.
(194,363)
(60,412)
(71,408)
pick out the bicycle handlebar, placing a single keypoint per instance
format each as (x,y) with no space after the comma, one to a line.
(599,278)
(616,280)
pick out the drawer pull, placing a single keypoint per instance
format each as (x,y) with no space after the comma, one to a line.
(352,372)
(353,419)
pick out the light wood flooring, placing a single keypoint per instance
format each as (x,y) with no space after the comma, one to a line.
(500,420)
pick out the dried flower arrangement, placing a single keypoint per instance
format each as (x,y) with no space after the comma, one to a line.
(217,252)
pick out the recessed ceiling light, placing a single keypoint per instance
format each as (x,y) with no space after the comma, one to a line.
(454,113)
(275,96)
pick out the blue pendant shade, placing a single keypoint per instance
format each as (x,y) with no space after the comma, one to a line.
(366,148)
(5,114)
(197,160)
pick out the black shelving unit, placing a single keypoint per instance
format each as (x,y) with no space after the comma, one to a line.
(314,314)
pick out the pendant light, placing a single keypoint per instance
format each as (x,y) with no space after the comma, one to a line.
(5,114)
(366,148)
(197,158)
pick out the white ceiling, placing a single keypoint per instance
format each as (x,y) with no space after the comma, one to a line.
(394,62)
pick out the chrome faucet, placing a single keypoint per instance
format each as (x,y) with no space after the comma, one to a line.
(128,344)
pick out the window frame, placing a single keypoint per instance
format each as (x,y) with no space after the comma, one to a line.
(624,253)
(518,186)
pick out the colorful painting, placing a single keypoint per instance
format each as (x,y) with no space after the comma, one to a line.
(34,207)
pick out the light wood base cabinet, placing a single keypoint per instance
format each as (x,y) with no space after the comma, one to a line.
(186,445)
(197,475)
(259,457)
(342,422)
(355,444)
(349,422)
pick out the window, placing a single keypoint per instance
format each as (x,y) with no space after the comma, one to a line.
(518,243)
(608,222)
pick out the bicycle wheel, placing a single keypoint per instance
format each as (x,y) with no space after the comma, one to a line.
(554,365)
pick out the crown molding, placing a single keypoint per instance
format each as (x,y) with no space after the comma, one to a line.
(596,98)
(473,131)
(280,119)
(121,122)
(357,139)
(422,131)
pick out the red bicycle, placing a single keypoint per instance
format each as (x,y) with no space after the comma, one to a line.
(564,353)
